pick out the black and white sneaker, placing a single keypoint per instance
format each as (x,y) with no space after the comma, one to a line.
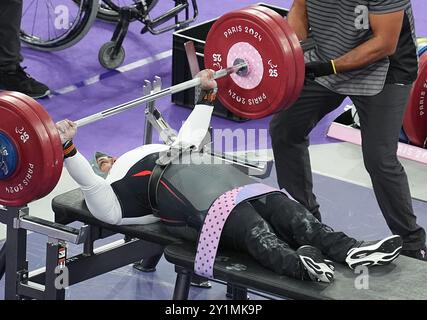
(318,269)
(373,253)
(16,79)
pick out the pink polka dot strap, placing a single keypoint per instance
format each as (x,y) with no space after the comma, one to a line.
(215,221)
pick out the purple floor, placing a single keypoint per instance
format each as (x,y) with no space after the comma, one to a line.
(345,206)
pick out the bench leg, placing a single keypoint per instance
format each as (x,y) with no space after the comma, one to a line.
(236,292)
(148,264)
(151,257)
(56,254)
(2,260)
(16,255)
(200,282)
(182,284)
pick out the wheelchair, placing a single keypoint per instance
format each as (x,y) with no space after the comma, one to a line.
(51,25)
(111,55)
(108,14)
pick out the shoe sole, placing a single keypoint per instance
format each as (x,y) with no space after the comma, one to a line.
(39,96)
(379,254)
(205,285)
(319,270)
(330,264)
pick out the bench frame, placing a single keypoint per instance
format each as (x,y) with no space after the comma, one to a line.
(183,286)
(40,284)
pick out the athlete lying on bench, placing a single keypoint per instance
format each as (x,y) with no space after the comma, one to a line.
(267,227)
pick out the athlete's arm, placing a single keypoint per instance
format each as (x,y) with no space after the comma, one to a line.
(196,127)
(100,198)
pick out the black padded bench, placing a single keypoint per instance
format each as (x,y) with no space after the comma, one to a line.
(405,278)
(71,207)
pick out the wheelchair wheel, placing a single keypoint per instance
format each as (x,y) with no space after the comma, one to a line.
(50,25)
(106,13)
(106,58)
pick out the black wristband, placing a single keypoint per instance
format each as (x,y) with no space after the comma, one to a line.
(69,149)
(319,69)
(206,97)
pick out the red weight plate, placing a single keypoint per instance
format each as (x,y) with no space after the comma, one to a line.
(55,171)
(415,121)
(297,51)
(239,33)
(52,167)
(266,96)
(55,141)
(28,134)
(55,164)
(274,24)
(299,61)
(288,53)
(46,152)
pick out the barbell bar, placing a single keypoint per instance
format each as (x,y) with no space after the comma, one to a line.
(157,95)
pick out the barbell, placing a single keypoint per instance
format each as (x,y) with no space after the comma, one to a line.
(258,64)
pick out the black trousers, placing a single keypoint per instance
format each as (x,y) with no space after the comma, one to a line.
(381,119)
(271,228)
(10,22)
